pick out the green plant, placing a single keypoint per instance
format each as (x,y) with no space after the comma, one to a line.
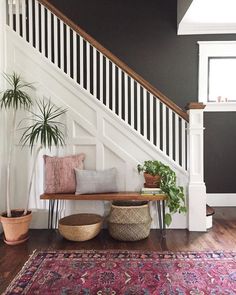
(45,130)
(175,201)
(13,99)
(150,167)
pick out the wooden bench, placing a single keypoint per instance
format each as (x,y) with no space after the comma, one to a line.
(120,196)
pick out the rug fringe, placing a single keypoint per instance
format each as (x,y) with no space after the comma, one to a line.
(135,251)
(20,272)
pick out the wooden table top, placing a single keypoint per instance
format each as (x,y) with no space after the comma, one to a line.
(120,196)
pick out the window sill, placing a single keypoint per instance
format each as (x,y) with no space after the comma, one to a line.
(220,107)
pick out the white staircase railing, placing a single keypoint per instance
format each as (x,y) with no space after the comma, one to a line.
(176,134)
(94,68)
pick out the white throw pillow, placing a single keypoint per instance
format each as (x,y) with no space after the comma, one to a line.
(95,182)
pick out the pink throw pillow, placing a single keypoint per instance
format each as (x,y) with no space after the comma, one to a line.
(60,174)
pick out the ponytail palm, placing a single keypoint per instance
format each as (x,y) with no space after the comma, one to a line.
(46,128)
(13,99)
(46,131)
(16,97)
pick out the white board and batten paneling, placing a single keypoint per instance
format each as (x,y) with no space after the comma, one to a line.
(93,129)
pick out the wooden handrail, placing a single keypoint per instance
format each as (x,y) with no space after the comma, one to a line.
(116,60)
(195,106)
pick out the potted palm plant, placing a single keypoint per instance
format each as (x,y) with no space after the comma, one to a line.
(12,100)
(46,131)
(176,200)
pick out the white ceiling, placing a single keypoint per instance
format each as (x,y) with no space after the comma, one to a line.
(206,17)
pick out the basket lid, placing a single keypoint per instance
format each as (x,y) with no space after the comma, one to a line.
(129,203)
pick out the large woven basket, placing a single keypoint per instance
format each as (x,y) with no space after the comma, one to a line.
(80,227)
(129,220)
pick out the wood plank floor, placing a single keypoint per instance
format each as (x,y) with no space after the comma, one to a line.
(221,237)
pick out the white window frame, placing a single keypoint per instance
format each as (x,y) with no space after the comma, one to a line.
(209,49)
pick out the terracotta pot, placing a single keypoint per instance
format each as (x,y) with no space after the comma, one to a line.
(16,228)
(151,181)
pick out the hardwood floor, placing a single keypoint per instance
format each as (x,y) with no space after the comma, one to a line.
(221,237)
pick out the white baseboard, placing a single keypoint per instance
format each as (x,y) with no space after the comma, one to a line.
(221,200)
(209,222)
(39,219)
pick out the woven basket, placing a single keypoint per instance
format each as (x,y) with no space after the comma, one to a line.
(80,227)
(129,221)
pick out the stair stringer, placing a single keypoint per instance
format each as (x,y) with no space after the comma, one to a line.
(92,128)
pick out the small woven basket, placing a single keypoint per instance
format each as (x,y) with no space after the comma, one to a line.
(129,220)
(80,227)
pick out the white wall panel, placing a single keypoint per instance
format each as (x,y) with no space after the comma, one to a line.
(112,159)
(79,131)
(90,155)
(2,119)
(106,140)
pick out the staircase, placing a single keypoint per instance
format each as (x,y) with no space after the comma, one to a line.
(115,116)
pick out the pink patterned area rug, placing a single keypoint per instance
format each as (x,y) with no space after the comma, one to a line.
(126,272)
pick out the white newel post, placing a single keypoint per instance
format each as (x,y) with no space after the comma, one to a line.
(197,187)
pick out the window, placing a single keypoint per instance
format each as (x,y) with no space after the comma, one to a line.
(217,75)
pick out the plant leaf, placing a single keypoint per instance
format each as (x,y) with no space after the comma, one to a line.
(15,97)
(175,194)
(168,219)
(45,127)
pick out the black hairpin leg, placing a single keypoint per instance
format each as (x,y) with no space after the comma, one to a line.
(49,214)
(56,217)
(159,214)
(163,217)
(52,214)
(53,220)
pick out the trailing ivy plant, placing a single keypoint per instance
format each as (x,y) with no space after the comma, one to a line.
(175,194)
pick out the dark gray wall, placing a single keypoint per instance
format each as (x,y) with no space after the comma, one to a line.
(220,152)
(143,34)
